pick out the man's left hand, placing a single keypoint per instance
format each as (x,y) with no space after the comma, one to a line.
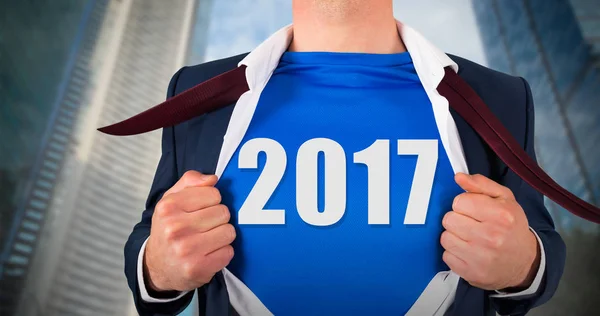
(487,239)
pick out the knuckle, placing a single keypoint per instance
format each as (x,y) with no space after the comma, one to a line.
(170,231)
(165,205)
(463,200)
(188,270)
(229,253)
(503,203)
(446,241)
(508,192)
(188,175)
(508,218)
(180,249)
(229,233)
(499,242)
(224,213)
(495,239)
(213,195)
(455,202)
(447,220)
(446,256)
(222,260)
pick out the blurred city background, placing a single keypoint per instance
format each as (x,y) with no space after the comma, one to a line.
(69,196)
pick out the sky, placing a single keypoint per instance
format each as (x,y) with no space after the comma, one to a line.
(237,26)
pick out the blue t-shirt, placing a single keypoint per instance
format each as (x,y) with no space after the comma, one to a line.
(319,187)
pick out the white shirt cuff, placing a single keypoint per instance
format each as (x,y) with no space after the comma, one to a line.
(533,288)
(142,285)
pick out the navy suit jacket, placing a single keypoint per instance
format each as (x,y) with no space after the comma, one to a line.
(195,145)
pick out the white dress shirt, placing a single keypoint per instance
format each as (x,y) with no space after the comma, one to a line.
(429,63)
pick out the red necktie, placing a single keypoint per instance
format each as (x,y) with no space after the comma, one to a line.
(226,88)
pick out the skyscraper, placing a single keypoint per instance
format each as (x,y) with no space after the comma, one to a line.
(541,40)
(549,43)
(588,15)
(122,67)
(43,47)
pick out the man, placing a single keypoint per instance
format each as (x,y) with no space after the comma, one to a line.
(345,178)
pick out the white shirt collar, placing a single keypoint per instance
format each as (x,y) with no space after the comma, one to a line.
(429,61)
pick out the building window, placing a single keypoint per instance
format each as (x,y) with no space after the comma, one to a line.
(44,184)
(54,155)
(26,236)
(60,138)
(67,112)
(62,129)
(41,194)
(48,174)
(50,164)
(15,272)
(38,204)
(65,120)
(57,146)
(16,259)
(31,225)
(23,248)
(34,214)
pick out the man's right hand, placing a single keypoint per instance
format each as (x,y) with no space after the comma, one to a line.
(190,239)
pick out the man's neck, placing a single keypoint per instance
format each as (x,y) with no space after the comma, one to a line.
(358,26)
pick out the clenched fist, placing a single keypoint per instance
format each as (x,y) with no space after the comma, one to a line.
(487,239)
(190,239)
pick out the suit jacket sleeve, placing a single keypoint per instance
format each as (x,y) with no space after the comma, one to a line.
(165,177)
(541,222)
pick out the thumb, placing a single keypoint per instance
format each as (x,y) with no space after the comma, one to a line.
(193,178)
(482,185)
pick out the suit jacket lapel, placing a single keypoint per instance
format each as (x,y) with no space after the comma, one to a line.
(476,152)
(205,139)
(478,158)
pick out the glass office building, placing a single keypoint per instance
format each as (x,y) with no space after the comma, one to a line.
(551,44)
(102,188)
(588,16)
(42,49)
(70,195)
(541,40)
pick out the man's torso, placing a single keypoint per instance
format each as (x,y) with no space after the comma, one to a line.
(198,149)
(338,187)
